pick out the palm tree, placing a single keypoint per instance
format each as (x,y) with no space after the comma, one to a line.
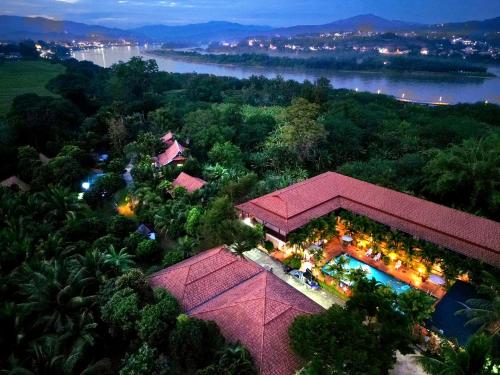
(484,312)
(121,261)
(473,359)
(416,305)
(59,204)
(235,359)
(54,295)
(338,268)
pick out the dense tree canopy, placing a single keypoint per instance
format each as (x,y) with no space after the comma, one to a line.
(73,294)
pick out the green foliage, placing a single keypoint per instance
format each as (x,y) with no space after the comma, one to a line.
(158,320)
(172,257)
(122,310)
(464,174)
(21,77)
(194,343)
(474,359)
(144,361)
(361,338)
(147,249)
(416,305)
(233,359)
(294,261)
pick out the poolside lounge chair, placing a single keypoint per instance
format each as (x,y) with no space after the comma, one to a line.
(398,265)
(377,257)
(369,252)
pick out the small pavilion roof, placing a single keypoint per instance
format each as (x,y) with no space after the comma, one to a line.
(168,138)
(14,180)
(174,152)
(190,183)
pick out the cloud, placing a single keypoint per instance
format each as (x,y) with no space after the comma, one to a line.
(68,1)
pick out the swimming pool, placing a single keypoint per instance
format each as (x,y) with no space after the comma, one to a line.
(395,284)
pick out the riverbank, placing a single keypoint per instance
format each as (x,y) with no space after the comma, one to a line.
(415,87)
(402,66)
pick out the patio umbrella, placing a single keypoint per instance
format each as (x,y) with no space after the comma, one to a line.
(346,238)
(436,279)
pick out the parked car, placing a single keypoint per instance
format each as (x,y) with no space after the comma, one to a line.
(300,276)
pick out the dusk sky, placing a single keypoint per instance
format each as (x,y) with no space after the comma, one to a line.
(131,13)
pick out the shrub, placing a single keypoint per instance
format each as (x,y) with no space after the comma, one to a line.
(158,320)
(147,249)
(269,246)
(144,361)
(294,261)
(194,342)
(172,257)
(122,310)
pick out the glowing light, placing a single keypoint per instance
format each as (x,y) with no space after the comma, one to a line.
(126,209)
(248,221)
(378,91)
(80,196)
(403,95)
(86,185)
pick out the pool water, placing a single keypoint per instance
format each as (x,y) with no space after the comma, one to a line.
(382,277)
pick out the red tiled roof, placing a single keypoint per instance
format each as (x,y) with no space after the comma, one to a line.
(249,304)
(14,180)
(168,138)
(204,276)
(258,313)
(188,182)
(288,209)
(170,154)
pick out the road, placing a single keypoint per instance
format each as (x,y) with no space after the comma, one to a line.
(321,297)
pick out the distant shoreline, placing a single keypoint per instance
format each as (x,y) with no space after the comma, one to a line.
(205,59)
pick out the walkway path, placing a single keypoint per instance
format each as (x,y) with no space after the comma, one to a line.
(321,297)
(405,364)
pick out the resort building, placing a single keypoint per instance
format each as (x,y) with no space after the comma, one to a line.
(168,138)
(289,209)
(173,155)
(248,303)
(190,183)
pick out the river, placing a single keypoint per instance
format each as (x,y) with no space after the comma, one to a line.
(415,87)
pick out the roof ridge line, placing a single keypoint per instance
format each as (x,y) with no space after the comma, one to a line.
(230,305)
(181,265)
(263,321)
(224,291)
(211,272)
(419,225)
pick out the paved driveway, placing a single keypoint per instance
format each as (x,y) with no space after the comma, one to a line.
(405,364)
(321,297)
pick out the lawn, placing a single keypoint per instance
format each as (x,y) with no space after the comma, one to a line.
(21,77)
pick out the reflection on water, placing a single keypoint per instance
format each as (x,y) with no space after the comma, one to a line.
(418,87)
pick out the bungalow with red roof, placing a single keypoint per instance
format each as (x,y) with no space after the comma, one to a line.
(14,181)
(248,303)
(168,138)
(288,209)
(173,155)
(190,183)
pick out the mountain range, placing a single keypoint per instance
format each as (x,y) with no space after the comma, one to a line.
(15,28)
